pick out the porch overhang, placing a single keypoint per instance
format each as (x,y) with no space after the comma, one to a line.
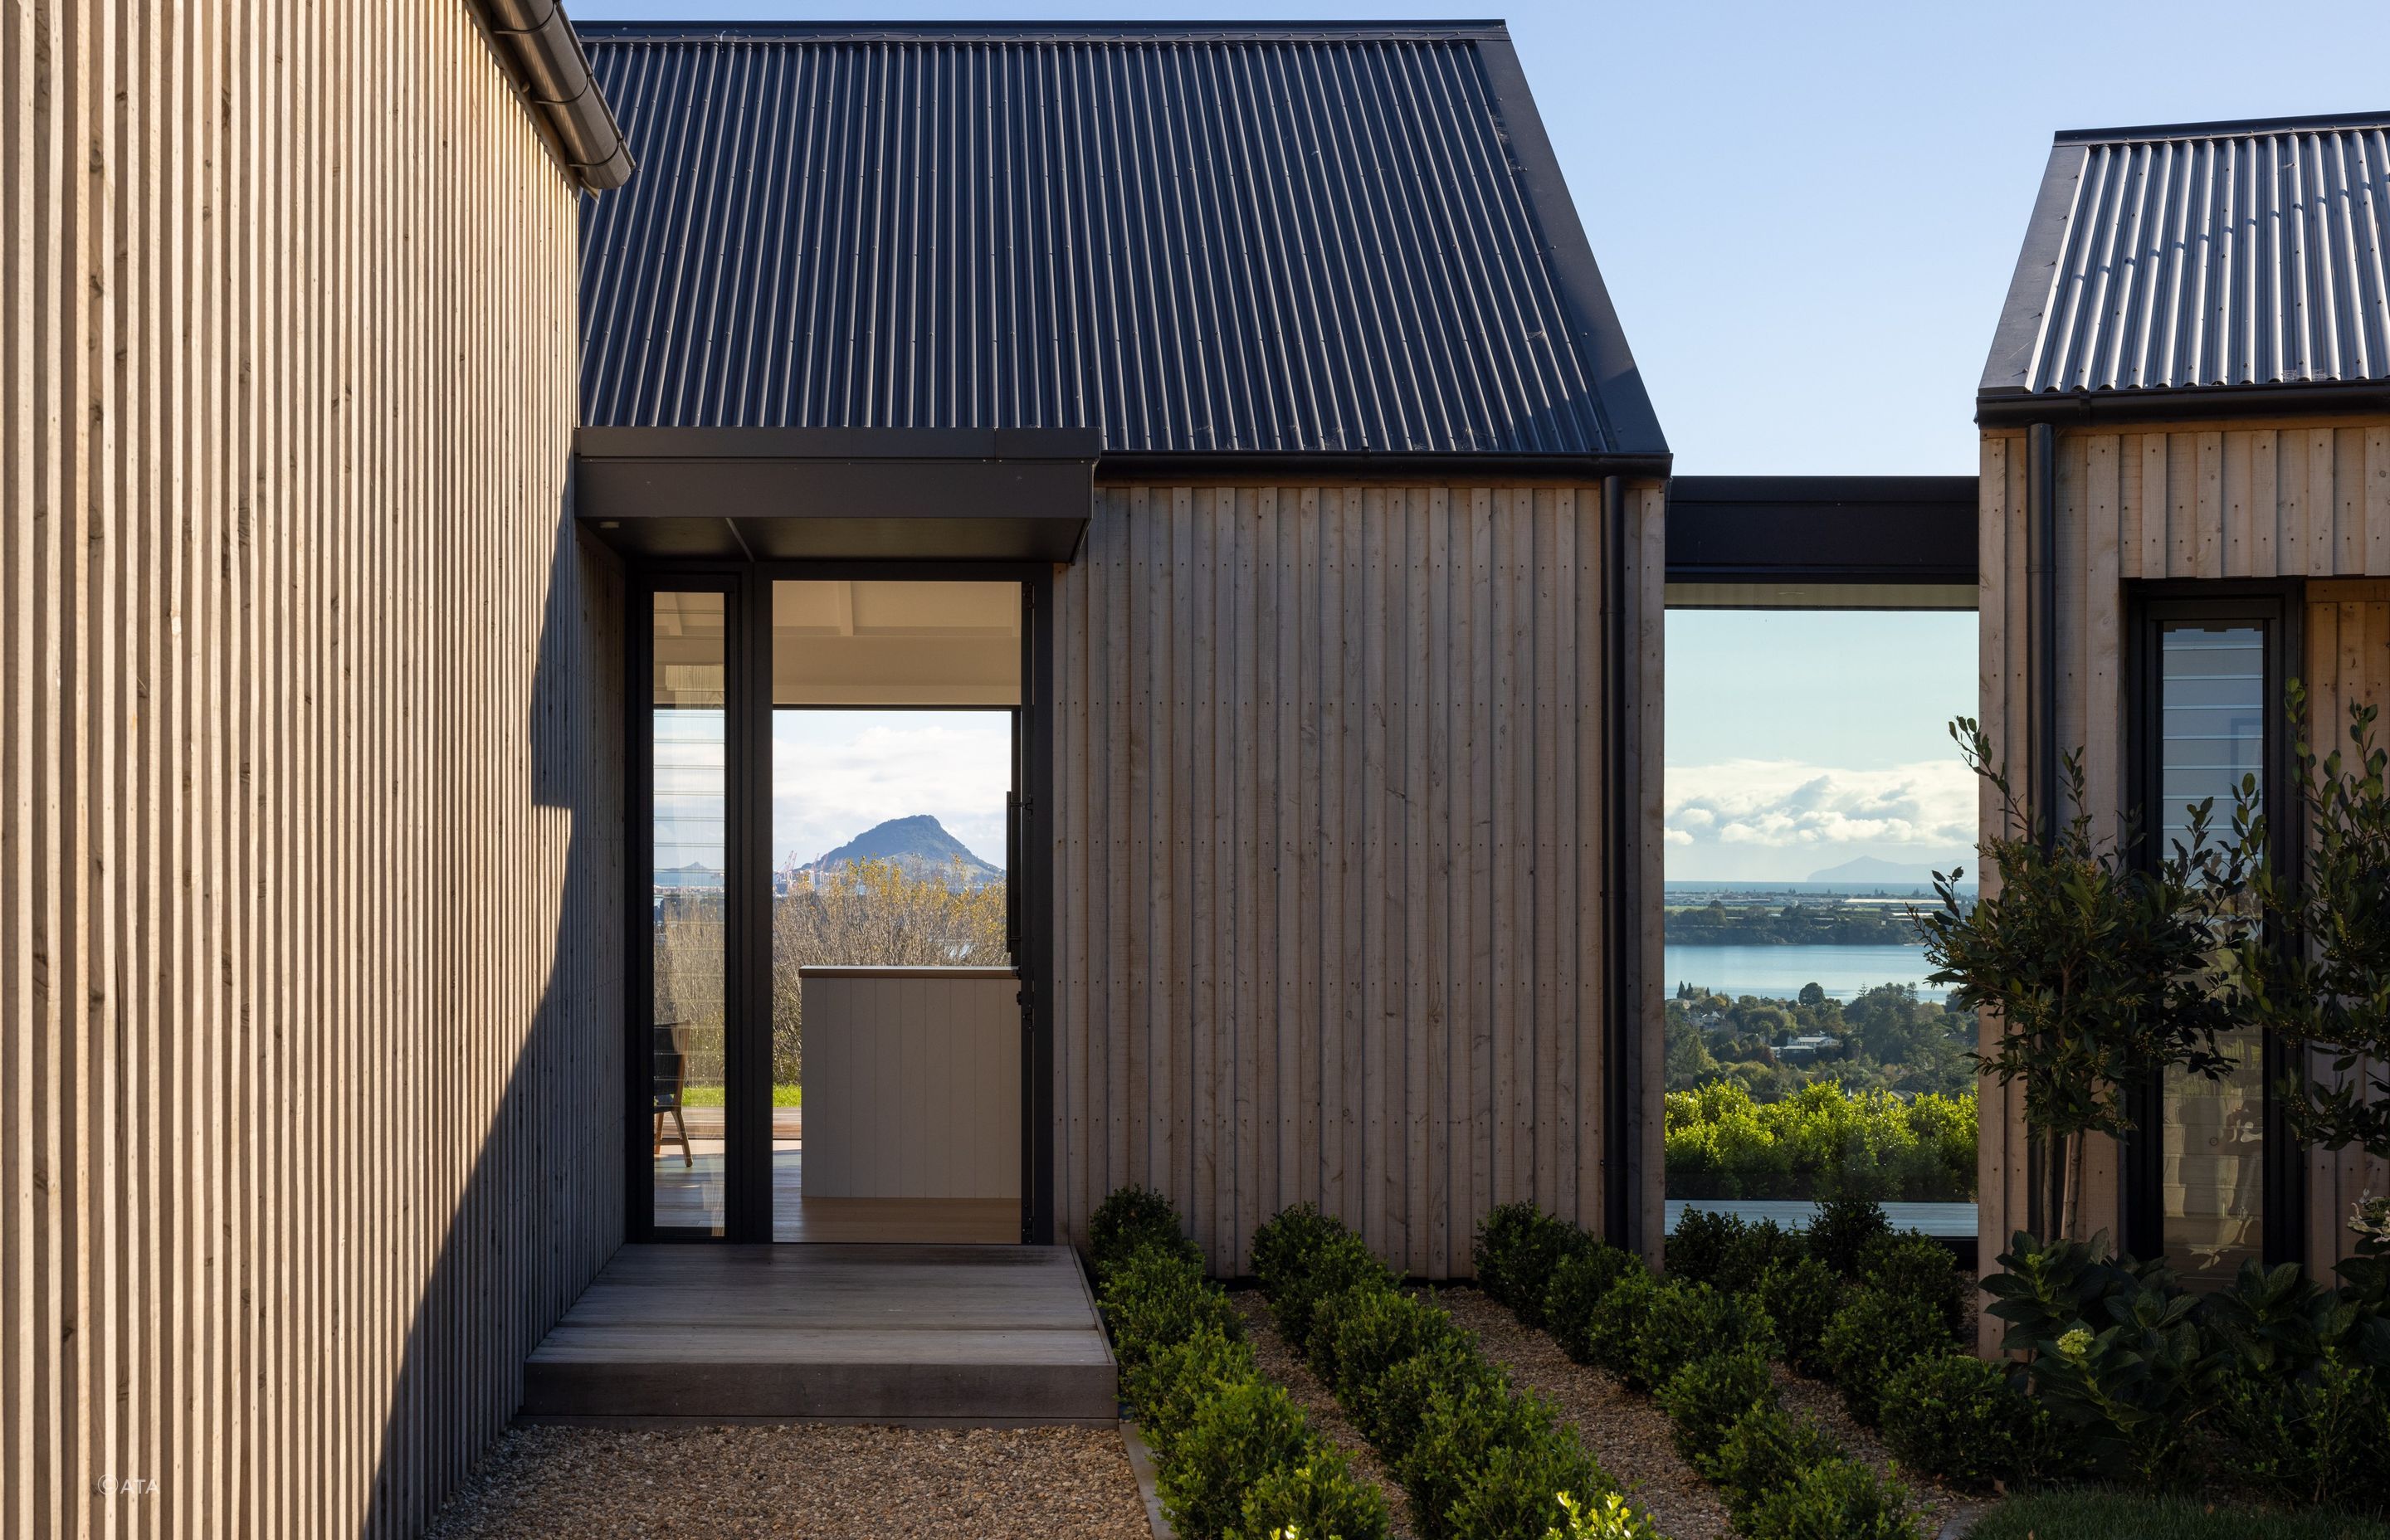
(837,494)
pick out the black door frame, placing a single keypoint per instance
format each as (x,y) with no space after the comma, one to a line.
(747,860)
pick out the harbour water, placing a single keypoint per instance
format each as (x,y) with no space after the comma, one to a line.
(1778,972)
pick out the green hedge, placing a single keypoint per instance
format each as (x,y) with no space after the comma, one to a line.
(1237,1459)
(1821,1142)
(1478,1459)
(1704,1341)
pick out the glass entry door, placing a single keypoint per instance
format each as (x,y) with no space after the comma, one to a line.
(830,1035)
(896,1023)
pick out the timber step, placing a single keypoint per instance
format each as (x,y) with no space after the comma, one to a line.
(962,1335)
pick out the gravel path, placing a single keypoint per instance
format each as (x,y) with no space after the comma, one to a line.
(803,1482)
(1626,1430)
(1280,1362)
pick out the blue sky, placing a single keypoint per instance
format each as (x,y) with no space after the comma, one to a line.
(1807,217)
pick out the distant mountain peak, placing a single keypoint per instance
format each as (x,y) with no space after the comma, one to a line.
(1872,869)
(918,844)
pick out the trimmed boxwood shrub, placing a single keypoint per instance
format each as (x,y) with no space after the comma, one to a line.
(2321,1438)
(1869,1338)
(1687,1321)
(1701,1246)
(1459,1433)
(1515,1493)
(1167,1384)
(1914,1265)
(1236,1438)
(1841,1230)
(1517,1248)
(1710,1395)
(1157,1296)
(1397,1405)
(1615,1327)
(1365,1332)
(1302,1258)
(1961,1419)
(1800,1295)
(1762,1452)
(1726,1251)
(1607,1517)
(1130,1219)
(1835,1500)
(1320,1497)
(1578,1285)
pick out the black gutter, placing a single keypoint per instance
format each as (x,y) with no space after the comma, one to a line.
(555,77)
(2013,409)
(1308,467)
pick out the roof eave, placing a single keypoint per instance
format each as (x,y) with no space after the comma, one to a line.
(2015,408)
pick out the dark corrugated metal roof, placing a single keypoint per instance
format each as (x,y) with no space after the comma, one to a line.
(1198,239)
(2202,256)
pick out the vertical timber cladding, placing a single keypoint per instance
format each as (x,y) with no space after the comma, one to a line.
(309,805)
(1332,875)
(2347,661)
(2216,500)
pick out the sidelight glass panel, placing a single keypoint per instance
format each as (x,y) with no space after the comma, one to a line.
(686,1056)
(2212,716)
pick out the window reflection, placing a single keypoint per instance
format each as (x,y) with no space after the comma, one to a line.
(690,781)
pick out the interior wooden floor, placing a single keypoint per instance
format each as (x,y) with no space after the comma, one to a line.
(959,1335)
(689,1190)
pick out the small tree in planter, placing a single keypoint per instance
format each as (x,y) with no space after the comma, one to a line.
(2319,975)
(2100,972)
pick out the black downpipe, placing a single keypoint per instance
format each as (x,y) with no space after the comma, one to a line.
(2041,558)
(1620,1091)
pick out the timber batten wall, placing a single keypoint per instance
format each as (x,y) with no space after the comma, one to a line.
(1332,858)
(310,923)
(2231,499)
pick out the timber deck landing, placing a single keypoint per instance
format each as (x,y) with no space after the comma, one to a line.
(950,1335)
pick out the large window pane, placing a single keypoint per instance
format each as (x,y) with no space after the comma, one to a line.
(1812,790)
(686,1056)
(2212,715)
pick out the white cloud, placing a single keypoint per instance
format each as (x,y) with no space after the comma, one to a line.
(1910,812)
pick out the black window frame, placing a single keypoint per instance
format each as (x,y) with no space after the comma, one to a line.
(2276,606)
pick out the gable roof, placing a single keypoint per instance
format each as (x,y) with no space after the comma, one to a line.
(1200,240)
(2228,257)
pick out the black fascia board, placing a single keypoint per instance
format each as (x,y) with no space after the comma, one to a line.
(2017,408)
(1322,466)
(1823,529)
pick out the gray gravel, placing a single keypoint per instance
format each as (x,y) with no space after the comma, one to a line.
(803,1483)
